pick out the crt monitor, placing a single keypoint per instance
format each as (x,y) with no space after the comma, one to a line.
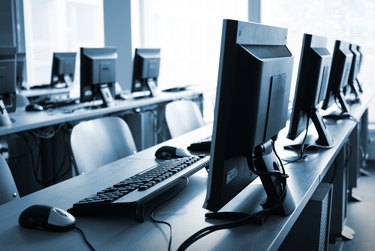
(98,74)
(146,68)
(311,86)
(339,76)
(63,67)
(251,108)
(8,77)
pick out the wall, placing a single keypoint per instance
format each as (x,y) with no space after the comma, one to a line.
(117,29)
(7,37)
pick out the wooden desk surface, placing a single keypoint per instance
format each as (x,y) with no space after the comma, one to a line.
(184,212)
(31,120)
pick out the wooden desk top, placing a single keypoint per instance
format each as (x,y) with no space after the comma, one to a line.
(184,212)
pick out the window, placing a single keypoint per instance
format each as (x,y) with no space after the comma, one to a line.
(350,21)
(59,26)
(189,35)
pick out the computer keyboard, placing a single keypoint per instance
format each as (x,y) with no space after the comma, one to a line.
(59,103)
(135,191)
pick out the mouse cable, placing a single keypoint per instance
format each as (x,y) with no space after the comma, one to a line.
(154,219)
(84,238)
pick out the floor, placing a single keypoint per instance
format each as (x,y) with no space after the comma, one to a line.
(361,215)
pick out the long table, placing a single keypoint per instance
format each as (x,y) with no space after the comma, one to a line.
(50,155)
(184,212)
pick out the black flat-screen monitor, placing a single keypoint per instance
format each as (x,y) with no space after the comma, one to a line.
(359,49)
(339,76)
(353,83)
(63,67)
(98,74)
(146,69)
(8,75)
(20,70)
(251,108)
(313,74)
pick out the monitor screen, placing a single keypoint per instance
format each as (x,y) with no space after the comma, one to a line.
(63,67)
(98,74)
(311,86)
(339,76)
(145,71)
(251,108)
(8,77)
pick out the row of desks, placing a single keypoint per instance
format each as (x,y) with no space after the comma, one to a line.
(24,121)
(184,212)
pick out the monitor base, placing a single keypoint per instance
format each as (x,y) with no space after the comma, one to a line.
(267,164)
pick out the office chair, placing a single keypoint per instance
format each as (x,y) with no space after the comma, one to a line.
(21,101)
(182,116)
(8,188)
(100,141)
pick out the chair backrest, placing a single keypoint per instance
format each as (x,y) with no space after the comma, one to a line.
(21,101)
(182,116)
(100,141)
(8,188)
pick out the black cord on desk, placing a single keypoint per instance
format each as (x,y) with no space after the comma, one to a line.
(84,238)
(242,219)
(242,222)
(154,219)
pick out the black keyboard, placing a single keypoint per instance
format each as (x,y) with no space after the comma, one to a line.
(59,103)
(135,191)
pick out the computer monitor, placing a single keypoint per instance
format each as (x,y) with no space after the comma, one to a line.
(8,77)
(353,84)
(359,49)
(339,76)
(145,71)
(251,108)
(311,86)
(20,70)
(63,67)
(98,74)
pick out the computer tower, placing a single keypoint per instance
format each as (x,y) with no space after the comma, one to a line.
(311,230)
(143,127)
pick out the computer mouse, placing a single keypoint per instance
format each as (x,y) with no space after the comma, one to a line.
(43,217)
(34,108)
(171,152)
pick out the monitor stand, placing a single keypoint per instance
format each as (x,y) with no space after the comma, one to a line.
(267,166)
(343,105)
(354,91)
(106,94)
(324,138)
(359,86)
(4,117)
(279,200)
(151,85)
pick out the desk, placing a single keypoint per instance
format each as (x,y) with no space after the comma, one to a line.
(144,117)
(32,120)
(184,212)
